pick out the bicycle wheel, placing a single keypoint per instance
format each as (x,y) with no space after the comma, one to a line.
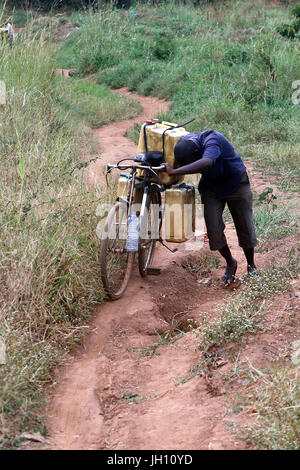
(116,262)
(150,230)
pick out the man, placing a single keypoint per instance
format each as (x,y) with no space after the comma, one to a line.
(7,32)
(9,29)
(224,180)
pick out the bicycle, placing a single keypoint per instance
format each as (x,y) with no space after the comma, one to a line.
(143,189)
(143,186)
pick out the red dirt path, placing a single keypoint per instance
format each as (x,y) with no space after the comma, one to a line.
(90,407)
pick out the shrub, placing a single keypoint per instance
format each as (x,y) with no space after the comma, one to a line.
(162,46)
(289,31)
(296,11)
(292,30)
(236,55)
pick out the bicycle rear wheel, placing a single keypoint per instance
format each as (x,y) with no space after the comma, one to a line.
(150,230)
(116,262)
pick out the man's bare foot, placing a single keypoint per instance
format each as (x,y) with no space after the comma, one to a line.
(229,275)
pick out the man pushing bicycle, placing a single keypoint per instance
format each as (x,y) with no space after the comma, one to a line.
(224,181)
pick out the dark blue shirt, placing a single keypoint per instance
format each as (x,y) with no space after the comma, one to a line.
(224,177)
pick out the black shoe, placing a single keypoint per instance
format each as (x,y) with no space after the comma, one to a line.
(229,275)
(252,271)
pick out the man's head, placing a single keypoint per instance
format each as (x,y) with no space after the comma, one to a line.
(186,151)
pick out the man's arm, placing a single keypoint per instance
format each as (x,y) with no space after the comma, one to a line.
(192,168)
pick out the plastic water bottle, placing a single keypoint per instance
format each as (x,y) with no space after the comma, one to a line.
(133,229)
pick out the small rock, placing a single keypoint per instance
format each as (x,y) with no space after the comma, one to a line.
(36,437)
(206,281)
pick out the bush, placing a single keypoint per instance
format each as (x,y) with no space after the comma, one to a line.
(296,11)
(236,55)
(291,31)
(162,46)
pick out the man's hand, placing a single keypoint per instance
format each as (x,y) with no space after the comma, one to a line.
(169,169)
(192,168)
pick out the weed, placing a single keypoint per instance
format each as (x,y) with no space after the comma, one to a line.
(192,373)
(271,223)
(275,402)
(168,337)
(291,30)
(203,267)
(268,197)
(135,398)
(244,314)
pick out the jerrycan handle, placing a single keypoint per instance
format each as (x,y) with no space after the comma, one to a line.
(171,127)
(145,135)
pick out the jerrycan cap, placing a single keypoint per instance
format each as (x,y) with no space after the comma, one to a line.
(148,121)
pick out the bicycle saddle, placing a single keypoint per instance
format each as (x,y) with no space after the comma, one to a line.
(153,157)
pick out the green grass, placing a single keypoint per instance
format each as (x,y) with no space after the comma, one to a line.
(203,267)
(279,160)
(19,17)
(272,224)
(226,67)
(49,267)
(275,402)
(95,103)
(244,314)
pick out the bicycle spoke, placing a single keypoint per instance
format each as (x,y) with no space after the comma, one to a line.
(147,244)
(116,262)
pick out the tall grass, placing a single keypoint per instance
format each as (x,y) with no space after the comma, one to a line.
(275,403)
(49,270)
(224,65)
(95,104)
(273,224)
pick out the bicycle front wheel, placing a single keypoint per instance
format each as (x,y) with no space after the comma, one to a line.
(150,229)
(116,262)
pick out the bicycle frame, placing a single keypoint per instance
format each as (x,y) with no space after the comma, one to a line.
(146,180)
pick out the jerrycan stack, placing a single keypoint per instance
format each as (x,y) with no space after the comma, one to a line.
(179,197)
(179,213)
(162,137)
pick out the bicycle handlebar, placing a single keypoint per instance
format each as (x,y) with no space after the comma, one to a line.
(138,166)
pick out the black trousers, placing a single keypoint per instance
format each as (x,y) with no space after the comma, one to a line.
(240,207)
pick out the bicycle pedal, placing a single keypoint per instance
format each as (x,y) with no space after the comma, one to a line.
(153,271)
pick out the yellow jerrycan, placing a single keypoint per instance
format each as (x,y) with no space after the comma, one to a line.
(162,137)
(179,213)
(123,189)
